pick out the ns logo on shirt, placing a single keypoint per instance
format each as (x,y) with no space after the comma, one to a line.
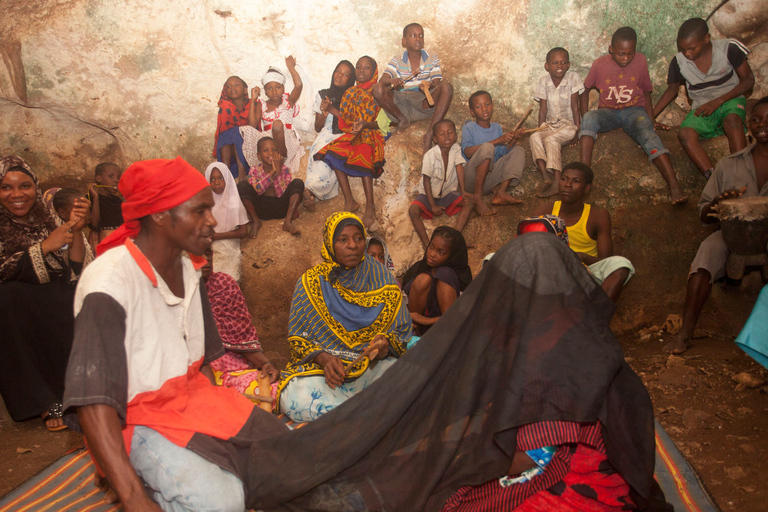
(620,94)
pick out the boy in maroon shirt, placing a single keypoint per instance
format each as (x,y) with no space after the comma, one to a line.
(625,88)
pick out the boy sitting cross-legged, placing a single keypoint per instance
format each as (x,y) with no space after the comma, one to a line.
(442,188)
(625,102)
(494,160)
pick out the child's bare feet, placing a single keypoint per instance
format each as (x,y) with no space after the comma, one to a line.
(481,208)
(308,201)
(502,198)
(351,206)
(289,227)
(677,196)
(253,229)
(368,218)
(549,188)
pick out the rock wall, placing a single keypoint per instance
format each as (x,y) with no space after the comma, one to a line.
(88,80)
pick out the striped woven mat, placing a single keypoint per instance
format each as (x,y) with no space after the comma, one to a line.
(67,484)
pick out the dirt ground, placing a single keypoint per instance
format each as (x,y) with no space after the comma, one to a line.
(721,430)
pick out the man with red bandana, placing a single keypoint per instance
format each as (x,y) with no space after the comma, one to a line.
(138,377)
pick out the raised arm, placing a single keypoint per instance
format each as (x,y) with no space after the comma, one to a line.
(290,61)
(102,428)
(254,112)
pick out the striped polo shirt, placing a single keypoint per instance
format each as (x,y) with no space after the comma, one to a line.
(727,55)
(429,69)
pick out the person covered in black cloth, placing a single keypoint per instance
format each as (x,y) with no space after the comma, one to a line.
(526,360)
(433,283)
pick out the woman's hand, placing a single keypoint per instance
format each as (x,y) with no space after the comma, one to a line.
(255,93)
(381,344)
(80,213)
(269,369)
(357,127)
(333,369)
(60,237)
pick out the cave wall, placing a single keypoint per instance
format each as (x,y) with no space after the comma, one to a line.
(92,80)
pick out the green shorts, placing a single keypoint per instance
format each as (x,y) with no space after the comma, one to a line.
(712,125)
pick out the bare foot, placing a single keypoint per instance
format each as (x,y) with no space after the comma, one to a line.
(253,229)
(550,188)
(482,209)
(289,227)
(678,345)
(368,218)
(101,483)
(502,198)
(678,197)
(351,206)
(309,201)
(399,126)
(54,424)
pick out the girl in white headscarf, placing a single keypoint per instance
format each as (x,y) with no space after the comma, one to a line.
(232,219)
(274,117)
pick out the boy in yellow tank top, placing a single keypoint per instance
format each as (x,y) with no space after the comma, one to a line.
(589,229)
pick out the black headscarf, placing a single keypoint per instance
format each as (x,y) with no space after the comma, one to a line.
(528,341)
(458,260)
(335,92)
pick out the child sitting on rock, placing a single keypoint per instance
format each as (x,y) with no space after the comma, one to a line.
(234,107)
(494,160)
(434,283)
(442,187)
(558,95)
(231,219)
(625,102)
(106,202)
(401,92)
(270,192)
(360,151)
(274,116)
(716,76)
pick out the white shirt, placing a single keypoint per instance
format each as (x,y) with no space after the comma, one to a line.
(442,180)
(559,98)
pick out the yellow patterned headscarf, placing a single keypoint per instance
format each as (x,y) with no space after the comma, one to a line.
(332,224)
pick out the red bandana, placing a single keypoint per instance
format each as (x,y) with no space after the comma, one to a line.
(152,186)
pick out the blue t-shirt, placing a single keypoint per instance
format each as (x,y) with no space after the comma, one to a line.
(472,134)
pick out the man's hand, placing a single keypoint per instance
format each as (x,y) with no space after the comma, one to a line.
(728,194)
(333,369)
(661,126)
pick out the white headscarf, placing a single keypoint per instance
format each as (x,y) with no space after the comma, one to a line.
(273,75)
(228,209)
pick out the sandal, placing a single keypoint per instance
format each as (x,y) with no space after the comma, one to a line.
(55,411)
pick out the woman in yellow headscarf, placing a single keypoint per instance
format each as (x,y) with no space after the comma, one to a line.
(346,304)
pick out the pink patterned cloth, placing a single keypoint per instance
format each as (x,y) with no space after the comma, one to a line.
(237,334)
(261,181)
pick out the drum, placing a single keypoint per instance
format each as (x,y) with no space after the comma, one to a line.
(744,222)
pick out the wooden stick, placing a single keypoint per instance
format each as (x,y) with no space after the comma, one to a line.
(369,353)
(264,388)
(430,100)
(411,77)
(260,398)
(532,130)
(528,112)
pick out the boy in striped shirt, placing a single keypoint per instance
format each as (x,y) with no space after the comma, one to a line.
(400,92)
(716,75)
